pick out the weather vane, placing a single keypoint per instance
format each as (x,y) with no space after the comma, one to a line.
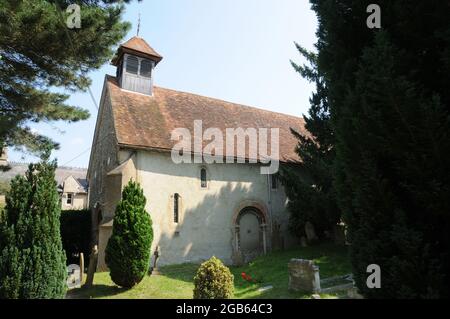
(139,23)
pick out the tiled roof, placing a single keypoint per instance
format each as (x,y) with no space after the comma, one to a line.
(146,122)
(137,46)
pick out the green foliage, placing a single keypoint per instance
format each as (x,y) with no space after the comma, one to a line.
(213,281)
(38,52)
(32,261)
(309,184)
(4,187)
(76,234)
(390,109)
(128,249)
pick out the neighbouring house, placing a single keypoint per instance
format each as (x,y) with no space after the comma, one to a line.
(71,181)
(74,193)
(229,210)
(3,156)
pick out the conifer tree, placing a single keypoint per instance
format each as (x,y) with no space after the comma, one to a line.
(308,185)
(128,248)
(38,52)
(32,260)
(390,111)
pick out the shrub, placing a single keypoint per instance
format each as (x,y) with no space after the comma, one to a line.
(213,281)
(128,249)
(32,261)
(76,234)
(4,187)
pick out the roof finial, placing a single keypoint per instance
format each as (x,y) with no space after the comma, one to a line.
(139,24)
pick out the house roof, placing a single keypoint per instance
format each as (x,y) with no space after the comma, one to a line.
(146,122)
(83,183)
(137,46)
(82,187)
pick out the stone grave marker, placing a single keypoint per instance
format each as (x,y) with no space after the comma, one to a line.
(304,276)
(73,276)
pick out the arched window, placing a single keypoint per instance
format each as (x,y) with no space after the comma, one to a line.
(132,64)
(146,68)
(176,208)
(274,181)
(203,178)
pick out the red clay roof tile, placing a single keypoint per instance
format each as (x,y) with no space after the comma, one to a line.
(147,121)
(137,46)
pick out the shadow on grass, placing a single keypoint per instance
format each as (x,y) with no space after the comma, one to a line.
(95,291)
(183,272)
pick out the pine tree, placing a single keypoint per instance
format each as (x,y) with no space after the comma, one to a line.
(39,52)
(128,248)
(389,103)
(32,261)
(308,185)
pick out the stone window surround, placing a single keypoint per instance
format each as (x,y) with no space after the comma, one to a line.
(173,225)
(208,178)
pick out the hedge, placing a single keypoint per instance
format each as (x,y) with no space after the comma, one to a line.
(76,234)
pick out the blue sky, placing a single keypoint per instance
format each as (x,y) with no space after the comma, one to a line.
(235,50)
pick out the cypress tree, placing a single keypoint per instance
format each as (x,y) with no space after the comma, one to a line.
(128,248)
(32,261)
(308,184)
(389,102)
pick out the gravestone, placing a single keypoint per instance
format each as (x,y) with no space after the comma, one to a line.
(303,242)
(339,234)
(73,276)
(310,232)
(92,265)
(304,276)
(81,267)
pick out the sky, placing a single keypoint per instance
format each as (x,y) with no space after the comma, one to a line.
(234,50)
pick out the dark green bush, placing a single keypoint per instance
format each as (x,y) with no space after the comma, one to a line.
(128,249)
(213,281)
(32,260)
(76,234)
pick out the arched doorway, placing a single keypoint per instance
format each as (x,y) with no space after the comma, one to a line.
(250,233)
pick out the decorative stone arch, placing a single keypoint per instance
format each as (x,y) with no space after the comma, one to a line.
(261,207)
(246,207)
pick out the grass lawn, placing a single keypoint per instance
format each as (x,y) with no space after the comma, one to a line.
(176,281)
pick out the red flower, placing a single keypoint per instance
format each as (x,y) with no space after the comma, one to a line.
(246,277)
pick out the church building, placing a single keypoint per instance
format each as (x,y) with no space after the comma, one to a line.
(198,209)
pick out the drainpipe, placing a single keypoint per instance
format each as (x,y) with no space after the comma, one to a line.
(269,204)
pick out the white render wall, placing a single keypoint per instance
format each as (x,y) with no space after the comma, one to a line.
(205,227)
(79,201)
